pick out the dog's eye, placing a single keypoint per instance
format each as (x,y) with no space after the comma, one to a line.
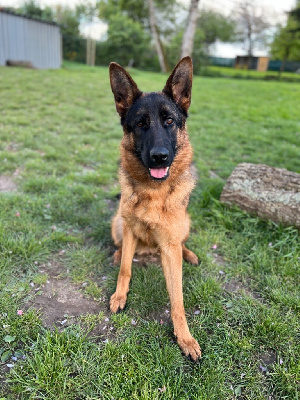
(169,121)
(140,124)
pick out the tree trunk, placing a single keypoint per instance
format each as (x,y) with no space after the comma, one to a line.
(282,66)
(189,33)
(156,38)
(270,193)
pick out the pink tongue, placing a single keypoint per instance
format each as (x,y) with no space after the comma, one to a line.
(158,172)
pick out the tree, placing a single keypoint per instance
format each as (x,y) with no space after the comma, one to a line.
(252,25)
(190,30)
(156,17)
(286,42)
(211,26)
(32,9)
(138,11)
(295,14)
(68,19)
(135,10)
(126,40)
(86,11)
(156,37)
(216,26)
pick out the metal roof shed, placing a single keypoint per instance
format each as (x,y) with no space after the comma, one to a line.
(27,39)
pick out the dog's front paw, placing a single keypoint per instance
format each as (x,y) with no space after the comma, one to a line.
(117,302)
(190,347)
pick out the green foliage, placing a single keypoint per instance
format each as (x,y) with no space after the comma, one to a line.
(86,11)
(199,52)
(216,26)
(286,43)
(126,40)
(137,10)
(136,43)
(32,9)
(173,48)
(295,13)
(68,19)
(212,26)
(74,48)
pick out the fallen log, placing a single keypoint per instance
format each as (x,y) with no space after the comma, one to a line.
(268,192)
(19,63)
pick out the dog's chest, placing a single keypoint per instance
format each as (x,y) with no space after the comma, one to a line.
(148,214)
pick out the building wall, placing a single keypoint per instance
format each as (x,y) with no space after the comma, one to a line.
(24,39)
(263,63)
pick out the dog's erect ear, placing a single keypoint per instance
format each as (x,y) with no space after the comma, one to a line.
(123,87)
(179,84)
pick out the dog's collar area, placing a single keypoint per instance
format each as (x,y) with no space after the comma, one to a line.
(159,173)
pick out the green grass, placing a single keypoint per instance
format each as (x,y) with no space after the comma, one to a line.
(60,137)
(230,72)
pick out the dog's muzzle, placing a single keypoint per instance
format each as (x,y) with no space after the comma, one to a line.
(159,156)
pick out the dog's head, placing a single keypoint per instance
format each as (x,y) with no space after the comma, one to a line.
(153,120)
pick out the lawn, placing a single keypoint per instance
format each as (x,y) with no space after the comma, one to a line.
(60,138)
(230,72)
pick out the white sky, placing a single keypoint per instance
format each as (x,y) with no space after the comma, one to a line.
(276,9)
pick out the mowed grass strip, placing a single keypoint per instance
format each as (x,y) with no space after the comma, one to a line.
(236,73)
(60,139)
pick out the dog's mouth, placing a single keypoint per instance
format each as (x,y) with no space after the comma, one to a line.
(159,173)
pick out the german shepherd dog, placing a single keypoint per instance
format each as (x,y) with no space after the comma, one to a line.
(156,184)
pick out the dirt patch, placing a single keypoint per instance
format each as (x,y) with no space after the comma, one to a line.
(7,184)
(266,360)
(12,146)
(87,169)
(218,259)
(162,317)
(234,286)
(61,302)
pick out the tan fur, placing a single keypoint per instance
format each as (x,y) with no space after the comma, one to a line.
(152,217)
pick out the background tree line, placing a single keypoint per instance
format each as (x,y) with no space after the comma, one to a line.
(154,34)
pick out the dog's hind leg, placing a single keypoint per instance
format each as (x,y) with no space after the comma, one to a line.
(117,256)
(118,299)
(117,235)
(117,229)
(189,256)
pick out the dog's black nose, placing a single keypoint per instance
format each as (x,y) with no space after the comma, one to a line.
(159,155)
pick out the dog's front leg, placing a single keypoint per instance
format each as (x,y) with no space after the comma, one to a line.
(118,299)
(171,256)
